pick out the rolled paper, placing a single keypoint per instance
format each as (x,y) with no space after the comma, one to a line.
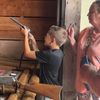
(30,95)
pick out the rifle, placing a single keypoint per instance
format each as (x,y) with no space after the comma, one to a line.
(51,91)
(18,23)
(23,26)
(29,35)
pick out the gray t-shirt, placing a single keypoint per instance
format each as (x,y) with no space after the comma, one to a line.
(50,62)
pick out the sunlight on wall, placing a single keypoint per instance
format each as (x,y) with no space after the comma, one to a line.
(84,11)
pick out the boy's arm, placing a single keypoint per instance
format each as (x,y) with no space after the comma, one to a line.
(27,51)
(33,42)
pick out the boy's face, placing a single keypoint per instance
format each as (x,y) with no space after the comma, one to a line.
(47,40)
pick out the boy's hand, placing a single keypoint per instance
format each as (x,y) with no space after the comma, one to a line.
(31,36)
(25,31)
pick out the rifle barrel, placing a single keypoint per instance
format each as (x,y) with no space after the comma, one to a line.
(17,22)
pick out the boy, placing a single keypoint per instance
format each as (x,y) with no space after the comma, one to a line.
(50,59)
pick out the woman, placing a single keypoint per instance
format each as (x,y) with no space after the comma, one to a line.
(88,51)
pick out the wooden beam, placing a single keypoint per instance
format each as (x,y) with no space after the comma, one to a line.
(39,27)
(12,49)
(33,8)
(13,64)
(72,16)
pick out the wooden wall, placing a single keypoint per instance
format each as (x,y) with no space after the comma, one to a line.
(38,15)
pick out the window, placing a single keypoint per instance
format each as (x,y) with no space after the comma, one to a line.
(84,11)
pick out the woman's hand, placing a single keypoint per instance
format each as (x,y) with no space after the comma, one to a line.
(70,33)
(25,31)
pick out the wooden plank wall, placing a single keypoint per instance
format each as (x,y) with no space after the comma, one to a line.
(38,15)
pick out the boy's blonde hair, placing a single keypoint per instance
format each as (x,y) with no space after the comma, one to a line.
(59,34)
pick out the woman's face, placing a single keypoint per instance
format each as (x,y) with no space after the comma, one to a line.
(94,19)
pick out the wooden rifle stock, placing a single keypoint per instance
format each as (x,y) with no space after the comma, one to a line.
(51,91)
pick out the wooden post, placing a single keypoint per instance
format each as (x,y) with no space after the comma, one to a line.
(72,16)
